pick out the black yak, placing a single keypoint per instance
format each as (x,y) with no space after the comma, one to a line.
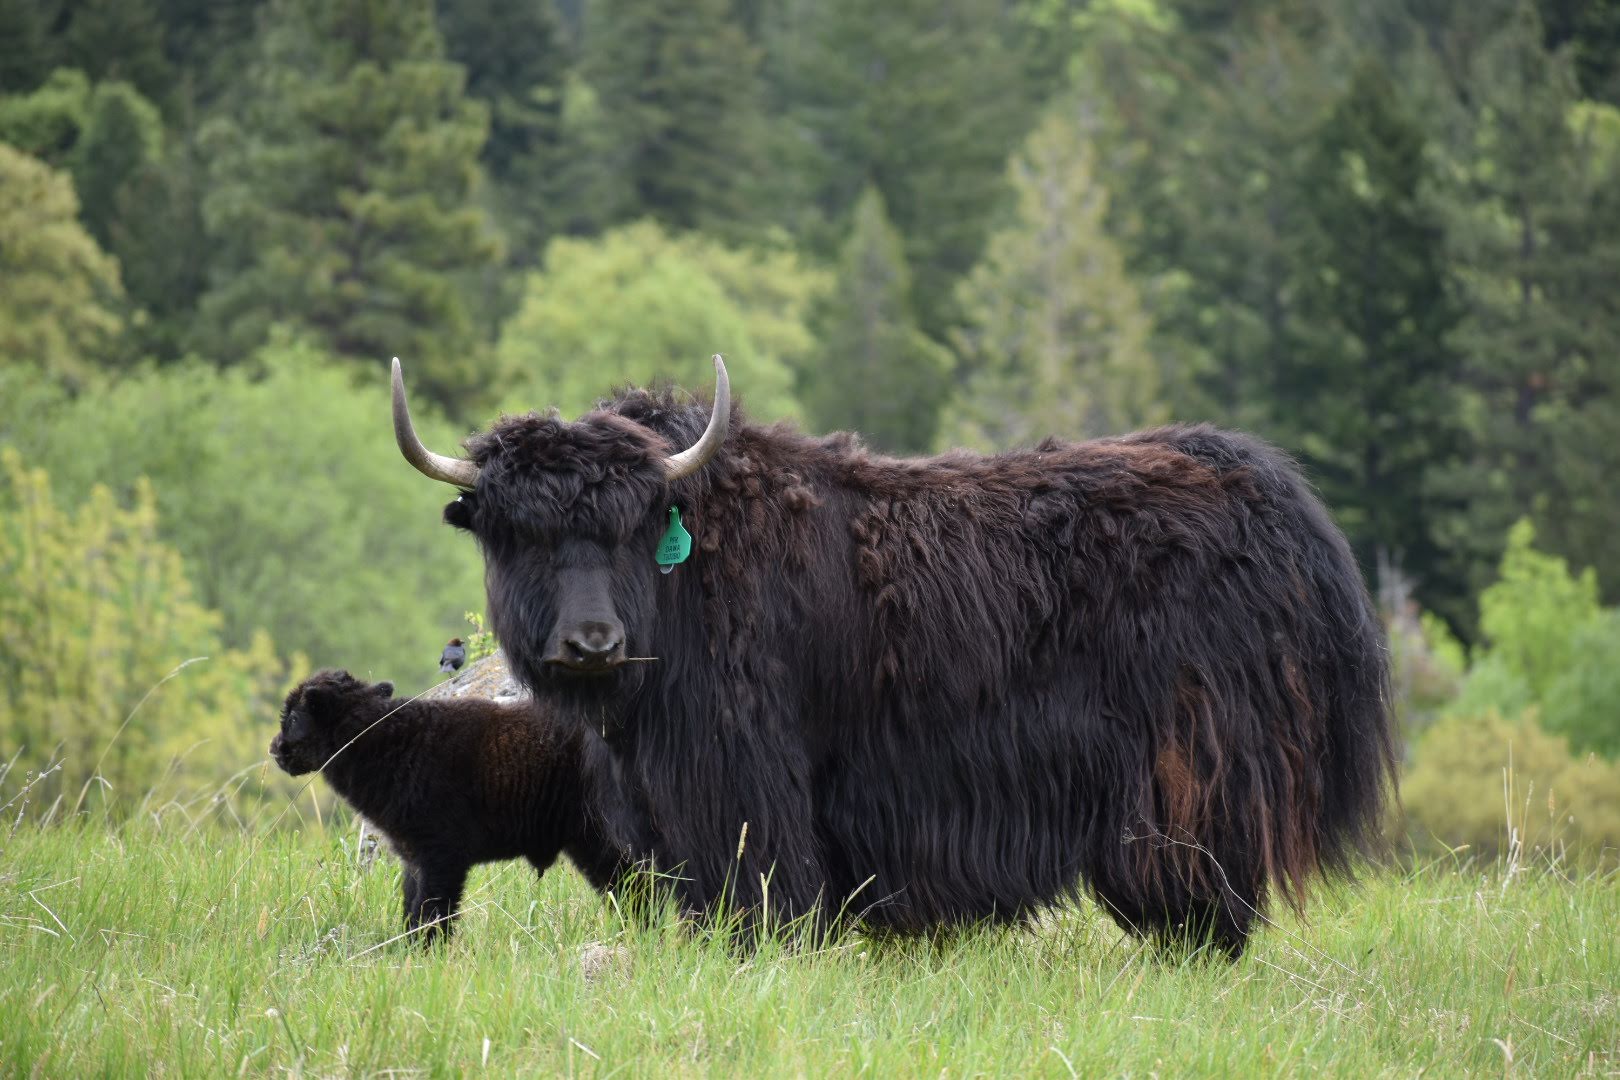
(939,690)
(450,783)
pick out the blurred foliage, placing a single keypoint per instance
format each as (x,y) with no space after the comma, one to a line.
(112,666)
(1381,235)
(922,100)
(60,301)
(517,64)
(1056,338)
(640,304)
(1531,615)
(481,642)
(1508,787)
(47,120)
(681,123)
(280,484)
(1548,646)
(339,195)
(875,372)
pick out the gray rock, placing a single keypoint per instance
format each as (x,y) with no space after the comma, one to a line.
(489,678)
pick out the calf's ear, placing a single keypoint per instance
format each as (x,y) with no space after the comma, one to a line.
(383,689)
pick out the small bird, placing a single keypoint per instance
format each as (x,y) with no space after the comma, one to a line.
(454,655)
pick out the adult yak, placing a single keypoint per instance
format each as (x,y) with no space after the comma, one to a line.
(945,689)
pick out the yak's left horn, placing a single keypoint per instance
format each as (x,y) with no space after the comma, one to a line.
(696,456)
(458,471)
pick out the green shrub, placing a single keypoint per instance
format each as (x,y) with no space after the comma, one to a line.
(1532,613)
(280,485)
(639,304)
(1491,784)
(112,666)
(1583,702)
(1549,645)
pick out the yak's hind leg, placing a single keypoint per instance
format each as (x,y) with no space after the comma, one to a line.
(1179,892)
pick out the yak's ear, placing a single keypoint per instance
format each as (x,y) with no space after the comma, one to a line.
(383,689)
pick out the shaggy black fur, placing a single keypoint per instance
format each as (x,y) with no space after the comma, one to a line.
(450,783)
(950,689)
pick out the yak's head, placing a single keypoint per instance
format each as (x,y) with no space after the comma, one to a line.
(569,515)
(323,713)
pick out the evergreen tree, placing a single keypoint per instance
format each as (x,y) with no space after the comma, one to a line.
(119,39)
(923,100)
(1373,392)
(1534,228)
(1056,341)
(122,134)
(60,304)
(876,373)
(1206,141)
(676,83)
(159,238)
(341,206)
(24,57)
(209,43)
(517,65)
(1591,28)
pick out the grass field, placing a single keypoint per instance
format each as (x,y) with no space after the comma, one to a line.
(160,947)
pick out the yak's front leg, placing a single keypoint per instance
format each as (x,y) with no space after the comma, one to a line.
(432,897)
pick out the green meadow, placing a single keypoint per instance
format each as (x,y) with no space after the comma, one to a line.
(179,943)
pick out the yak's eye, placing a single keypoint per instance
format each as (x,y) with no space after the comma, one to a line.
(459,513)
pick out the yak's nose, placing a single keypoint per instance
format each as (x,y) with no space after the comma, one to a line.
(595,645)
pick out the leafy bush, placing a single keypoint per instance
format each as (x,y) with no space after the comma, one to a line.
(1584,701)
(111,664)
(280,485)
(1550,645)
(1534,610)
(1492,784)
(638,304)
(60,304)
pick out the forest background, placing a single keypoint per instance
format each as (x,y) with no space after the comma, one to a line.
(1383,235)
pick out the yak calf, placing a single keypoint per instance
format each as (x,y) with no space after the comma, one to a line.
(450,783)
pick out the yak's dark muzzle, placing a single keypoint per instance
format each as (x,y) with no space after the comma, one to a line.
(592,648)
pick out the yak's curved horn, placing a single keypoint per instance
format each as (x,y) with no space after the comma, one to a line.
(458,471)
(696,456)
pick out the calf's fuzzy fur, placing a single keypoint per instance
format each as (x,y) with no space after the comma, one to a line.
(450,783)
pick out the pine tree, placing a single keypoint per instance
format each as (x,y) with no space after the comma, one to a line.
(1533,227)
(25,59)
(676,83)
(1592,29)
(1373,392)
(159,238)
(923,100)
(119,39)
(123,133)
(209,43)
(515,63)
(877,373)
(1055,341)
(517,66)
(341,206)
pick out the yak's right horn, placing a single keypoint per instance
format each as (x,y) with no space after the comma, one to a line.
(458,471)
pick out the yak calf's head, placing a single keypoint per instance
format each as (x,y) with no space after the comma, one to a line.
(323,713)
(568,515)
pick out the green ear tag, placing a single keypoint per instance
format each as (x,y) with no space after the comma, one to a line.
(675,545)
